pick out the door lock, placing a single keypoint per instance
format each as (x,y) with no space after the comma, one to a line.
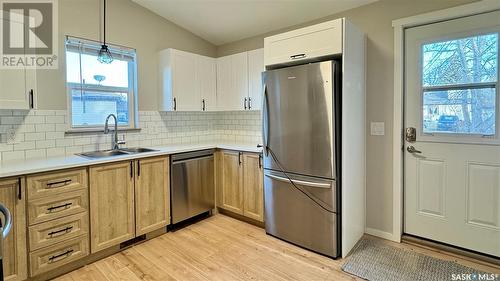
(411,134)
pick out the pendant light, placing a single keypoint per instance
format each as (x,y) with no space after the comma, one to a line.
(104,55)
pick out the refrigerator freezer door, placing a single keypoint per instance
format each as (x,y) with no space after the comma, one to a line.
(293,217)
(299,119)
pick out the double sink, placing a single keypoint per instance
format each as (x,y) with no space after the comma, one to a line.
(114,152)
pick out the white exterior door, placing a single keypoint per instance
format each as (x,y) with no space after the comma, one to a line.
(452,168)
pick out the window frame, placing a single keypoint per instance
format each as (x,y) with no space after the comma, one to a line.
(461,138)
(131,90)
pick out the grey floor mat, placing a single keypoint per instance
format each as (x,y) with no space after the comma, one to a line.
(376,261)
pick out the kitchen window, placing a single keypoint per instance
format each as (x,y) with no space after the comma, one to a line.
(96,90)
(459,86)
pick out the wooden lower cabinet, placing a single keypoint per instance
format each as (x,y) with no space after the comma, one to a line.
(13,196)
(112,218)
(152,194)
(232,182)
(128,199)
(253,187)
(240,180)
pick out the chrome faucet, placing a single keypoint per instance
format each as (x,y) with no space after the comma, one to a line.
(115,143)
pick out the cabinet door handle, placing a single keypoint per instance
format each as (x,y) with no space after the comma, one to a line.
(63,206)
(66,254)
(19,189)
(203,102)
(65,230)
(138,168)
(249,103)
(260,160)
(131,169)
(175,104)
(245,103)
(31,99)
(239,158)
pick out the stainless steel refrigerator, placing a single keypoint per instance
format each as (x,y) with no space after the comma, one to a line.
(301,135)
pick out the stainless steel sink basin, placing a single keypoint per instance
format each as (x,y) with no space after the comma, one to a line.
(102,153)
(137,150)
(114,152)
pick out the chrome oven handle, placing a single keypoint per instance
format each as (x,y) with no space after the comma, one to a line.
(8,221)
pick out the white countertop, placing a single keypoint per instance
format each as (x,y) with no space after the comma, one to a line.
(31,166)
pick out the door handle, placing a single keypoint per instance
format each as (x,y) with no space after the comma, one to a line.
(300,182)
(245,103)
(412,149)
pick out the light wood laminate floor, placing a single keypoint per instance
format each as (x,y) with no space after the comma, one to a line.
(222,248)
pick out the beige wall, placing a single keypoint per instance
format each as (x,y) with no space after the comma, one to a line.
(129,25)
(376,21)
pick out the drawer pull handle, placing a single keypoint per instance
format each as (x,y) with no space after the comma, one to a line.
(64,255)
(63,206)
(57,184)
(63,231)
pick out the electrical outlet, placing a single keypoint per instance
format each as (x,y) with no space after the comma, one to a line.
(10,136)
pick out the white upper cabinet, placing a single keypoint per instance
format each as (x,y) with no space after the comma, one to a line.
(320,40)
(190,82)
(17,87)
(255,69)
(206,73)
(186,81)
(232,82)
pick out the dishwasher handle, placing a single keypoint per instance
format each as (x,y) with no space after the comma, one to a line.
(180,161)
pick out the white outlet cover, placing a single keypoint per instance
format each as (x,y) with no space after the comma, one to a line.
(377,128)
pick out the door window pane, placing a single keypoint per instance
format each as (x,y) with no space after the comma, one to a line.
(466,111)
(461,61)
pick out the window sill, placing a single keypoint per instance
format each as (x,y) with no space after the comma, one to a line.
(94,131)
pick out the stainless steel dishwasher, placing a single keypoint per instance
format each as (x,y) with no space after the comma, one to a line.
(192,184)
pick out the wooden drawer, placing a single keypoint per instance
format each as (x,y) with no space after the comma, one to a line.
(52,232)
(48,184)
(58,206)
(49,258)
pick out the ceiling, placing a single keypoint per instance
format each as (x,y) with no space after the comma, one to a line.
(224,21)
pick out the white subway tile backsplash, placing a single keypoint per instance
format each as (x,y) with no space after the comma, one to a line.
(41,133)
(12,155)
(35,153)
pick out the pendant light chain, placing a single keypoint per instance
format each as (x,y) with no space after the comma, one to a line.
(104,55)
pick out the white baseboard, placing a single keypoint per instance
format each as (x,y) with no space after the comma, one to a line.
(381,234)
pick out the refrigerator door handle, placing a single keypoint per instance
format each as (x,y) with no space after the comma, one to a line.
(265,120)
(300,182)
